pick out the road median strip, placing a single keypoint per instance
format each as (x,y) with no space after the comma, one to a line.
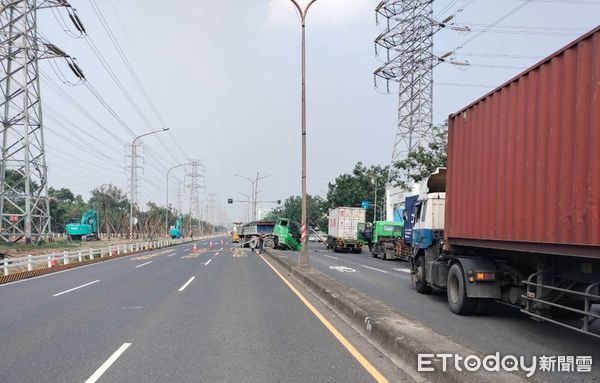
(399,338)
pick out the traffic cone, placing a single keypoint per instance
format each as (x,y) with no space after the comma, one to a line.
(194,250)
(221,242)
(53,262)
(210,245)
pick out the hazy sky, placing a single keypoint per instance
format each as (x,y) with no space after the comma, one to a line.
(225,76)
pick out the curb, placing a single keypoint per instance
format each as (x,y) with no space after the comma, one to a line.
(396,336)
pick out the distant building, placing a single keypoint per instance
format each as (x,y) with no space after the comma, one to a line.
(263,213)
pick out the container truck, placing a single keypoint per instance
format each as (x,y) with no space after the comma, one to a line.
(345,225)
(516,215)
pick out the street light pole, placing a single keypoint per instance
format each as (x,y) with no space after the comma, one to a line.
(253,190)
(247,206)
(375,203)
(133,157)
(167,201)
(303,261)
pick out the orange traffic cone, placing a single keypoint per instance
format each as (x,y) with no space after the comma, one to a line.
(194,250)
(53,262)
(210,245)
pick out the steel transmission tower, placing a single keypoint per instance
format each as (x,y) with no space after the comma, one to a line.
(24,205)
(135,161)
(195,175)
(408,42)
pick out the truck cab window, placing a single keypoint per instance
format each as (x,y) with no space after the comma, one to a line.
(423,211)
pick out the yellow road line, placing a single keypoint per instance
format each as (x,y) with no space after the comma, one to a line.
(355,353)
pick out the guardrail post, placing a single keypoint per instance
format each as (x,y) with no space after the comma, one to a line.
(80,258)
(110,251)
(29,263)
(66,257)
(101,252)
(49,261)
(91,254)
(5,262)
(118,249)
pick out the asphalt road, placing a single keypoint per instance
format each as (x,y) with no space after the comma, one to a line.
(167,316)
(503,329)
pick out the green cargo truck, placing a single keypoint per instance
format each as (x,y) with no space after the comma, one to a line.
(287,235)
(387,240)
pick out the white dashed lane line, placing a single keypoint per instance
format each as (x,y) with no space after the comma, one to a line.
(143,264)
(109,362)
(75,288)
(186,284)
(372,268)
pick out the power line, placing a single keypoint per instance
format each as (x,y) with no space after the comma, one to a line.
(492,25)
(79,107)
(153,82)
(132,72)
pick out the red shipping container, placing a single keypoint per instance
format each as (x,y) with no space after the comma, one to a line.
(524,160)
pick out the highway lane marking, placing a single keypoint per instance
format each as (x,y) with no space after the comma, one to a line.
(207,262)
(355,353)
(217,253)
(186,284)
(109,362)
(143,264)
(403,270)
(330,256)
(372,268)
(343,269)
(75,288)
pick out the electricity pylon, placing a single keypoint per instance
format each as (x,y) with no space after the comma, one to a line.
(24,205)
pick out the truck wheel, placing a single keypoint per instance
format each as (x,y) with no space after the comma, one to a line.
(419,276)
(254,243)
(269,242)
(457,292)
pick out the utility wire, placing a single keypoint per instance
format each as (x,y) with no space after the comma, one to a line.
(79,107)
(132,72)
(490,26)
(160,94)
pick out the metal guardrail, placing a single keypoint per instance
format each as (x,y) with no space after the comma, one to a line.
(535,295)
(31,262)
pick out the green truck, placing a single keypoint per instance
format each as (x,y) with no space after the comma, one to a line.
(387,240)
(85,229)
(283,234)
(286,235)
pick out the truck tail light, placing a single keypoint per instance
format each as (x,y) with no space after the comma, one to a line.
(485,277)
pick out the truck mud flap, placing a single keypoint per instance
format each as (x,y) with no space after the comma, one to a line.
(485,289)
